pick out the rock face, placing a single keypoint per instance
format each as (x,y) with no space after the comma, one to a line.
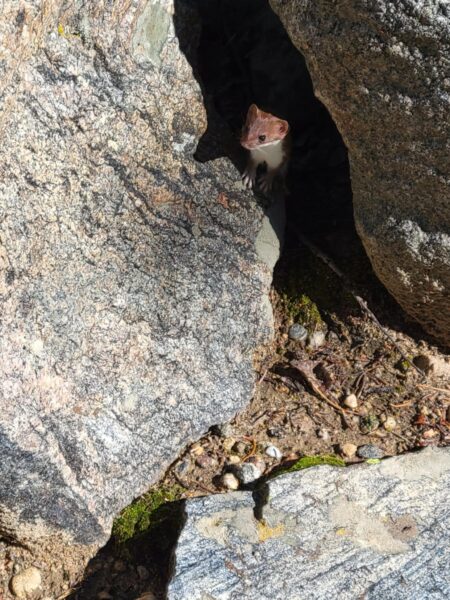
(132,295)
(368,531)
(383,71)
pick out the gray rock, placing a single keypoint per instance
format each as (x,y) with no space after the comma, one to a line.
(382,69)
(248,473)
(369,451)
(372,531)
(132,292)
(316,340)
(297,332)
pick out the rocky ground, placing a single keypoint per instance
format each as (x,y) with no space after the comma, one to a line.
(334,383)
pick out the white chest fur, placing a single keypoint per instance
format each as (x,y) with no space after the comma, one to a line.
(272,155)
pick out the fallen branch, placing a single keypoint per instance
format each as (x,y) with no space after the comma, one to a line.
(305,368)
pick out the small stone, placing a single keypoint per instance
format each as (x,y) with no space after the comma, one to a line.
(230,481)
(274,452)
(258,462)
(351,401)
(323,434)
(348,450)
(390,424)
(433,364)
(316,340)
(205,461)
(248,473)
(223,430)
(276,432)
(228,443)
(297,332)
(183,466)
(430,433)
(234,459)
(240,448)
(142,572)
(26,582)
(197,449)
(369,451)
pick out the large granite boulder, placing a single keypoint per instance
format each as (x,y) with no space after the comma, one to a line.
(132,292)
(378,532)
(383,71)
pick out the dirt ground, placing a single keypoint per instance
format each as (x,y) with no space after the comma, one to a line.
(397,380)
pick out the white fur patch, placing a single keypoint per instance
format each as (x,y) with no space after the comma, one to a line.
(272,154)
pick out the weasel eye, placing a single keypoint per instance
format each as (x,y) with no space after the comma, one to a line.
(262,138)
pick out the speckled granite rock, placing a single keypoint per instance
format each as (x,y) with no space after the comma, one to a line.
(132,295)
(368,531)
(383,70)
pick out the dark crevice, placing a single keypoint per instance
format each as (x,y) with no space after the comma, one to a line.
(244,55)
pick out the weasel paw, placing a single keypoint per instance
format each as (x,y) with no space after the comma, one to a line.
(248,179)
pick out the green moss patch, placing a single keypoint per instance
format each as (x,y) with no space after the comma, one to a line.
(145,513)
(313,461)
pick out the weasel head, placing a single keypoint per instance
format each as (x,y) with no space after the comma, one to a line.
(262,129)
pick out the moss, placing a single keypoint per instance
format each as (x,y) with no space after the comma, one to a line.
(145,513)
(313,461)
(303,310)
(403,365)
(304,284)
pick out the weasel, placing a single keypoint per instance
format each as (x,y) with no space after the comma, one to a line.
(268,141)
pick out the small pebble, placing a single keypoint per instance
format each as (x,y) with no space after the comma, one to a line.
(430,433)
(247,473)
(274,452)
(275,432)
(234,459)
(230,481)
(240,448)
(224,430)
(205,461)
(183,466)
(348,450)
(323,434)
(228,443)
(369,451)
(197,449)
(351,401)
(258,462)
(390,424)
(26,582)
(316,340)
(297,332)
(142,572)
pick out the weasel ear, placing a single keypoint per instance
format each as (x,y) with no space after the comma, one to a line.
(283,127)
(253,111)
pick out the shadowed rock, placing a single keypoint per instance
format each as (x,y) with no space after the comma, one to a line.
(383,71)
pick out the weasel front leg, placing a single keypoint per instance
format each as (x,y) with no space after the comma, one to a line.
(249,175)
(266,180)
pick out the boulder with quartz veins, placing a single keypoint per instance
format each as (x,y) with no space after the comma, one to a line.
(368,531)
(132,292)
(383,71)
